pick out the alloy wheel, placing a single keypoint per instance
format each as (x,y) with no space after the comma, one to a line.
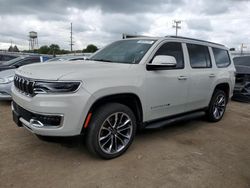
(219,106)
(115,133)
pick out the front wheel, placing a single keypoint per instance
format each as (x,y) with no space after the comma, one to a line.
(111,130)
(217,106)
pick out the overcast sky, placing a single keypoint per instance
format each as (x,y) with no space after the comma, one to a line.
(102,21)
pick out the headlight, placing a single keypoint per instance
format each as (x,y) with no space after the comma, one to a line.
(6,80)
(55,87)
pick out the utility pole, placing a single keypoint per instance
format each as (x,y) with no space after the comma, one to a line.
(177,26)
(241,48)
(71,38)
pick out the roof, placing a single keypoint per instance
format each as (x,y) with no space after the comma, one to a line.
(174,37)
(198,40)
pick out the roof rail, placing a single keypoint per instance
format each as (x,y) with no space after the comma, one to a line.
(180,37)
(126,36)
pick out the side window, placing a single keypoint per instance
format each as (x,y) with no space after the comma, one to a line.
(172,49)
(29,61)
(221,57)
(7,58)
(199,56)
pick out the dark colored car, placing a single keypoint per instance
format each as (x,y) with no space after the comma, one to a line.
(19,61)
(242,83)
(6,57)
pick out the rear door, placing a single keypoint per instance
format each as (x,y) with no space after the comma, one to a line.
(166,89)
(201,76)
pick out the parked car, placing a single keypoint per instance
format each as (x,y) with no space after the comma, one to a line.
(20,61)
(6,81)
(131,84)
(242,85)
(6,57)
(8,72)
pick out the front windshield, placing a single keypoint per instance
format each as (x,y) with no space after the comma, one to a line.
(244,60)
(12,62)
(124,51)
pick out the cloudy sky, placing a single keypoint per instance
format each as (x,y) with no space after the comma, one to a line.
(103,21)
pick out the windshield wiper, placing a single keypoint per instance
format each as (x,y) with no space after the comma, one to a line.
(103,60)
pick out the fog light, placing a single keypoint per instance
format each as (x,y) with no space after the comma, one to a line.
(36,123)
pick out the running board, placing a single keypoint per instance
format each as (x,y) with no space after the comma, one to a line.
(163,123)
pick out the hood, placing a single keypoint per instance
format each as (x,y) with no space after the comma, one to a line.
(60,70)
(7,73)
(241,69)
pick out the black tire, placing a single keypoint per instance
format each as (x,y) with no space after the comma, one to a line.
(211,114)
(98,125)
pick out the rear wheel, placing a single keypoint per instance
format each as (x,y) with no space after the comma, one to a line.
(111,130)
(217,106)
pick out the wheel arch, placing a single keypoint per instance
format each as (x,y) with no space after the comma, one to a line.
(224,86)
(129,99)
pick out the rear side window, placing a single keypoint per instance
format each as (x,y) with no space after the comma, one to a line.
(221,57)
(199,56)
(172,49)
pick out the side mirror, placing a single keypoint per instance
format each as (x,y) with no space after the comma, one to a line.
(162,62)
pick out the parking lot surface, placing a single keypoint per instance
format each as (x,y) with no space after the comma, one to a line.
(188,154)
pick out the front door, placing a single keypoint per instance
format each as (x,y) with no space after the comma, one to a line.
(166,90)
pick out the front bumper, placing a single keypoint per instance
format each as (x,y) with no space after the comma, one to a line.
(5,91)
(72,108)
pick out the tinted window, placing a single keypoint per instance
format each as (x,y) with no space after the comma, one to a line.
(221,57)
(172,49)
(244,60)
(13,61)
(199,56)
(7,58)
(29,61)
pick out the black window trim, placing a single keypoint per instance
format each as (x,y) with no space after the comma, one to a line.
(169,68)
(211,64)
(230,61)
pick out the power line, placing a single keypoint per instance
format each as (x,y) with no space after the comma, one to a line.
(242,47)
(176,26)
(71,38)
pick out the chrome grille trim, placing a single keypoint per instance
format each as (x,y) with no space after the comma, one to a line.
(24,85)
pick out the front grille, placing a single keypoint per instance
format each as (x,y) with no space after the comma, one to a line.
(47,120)
(24,85)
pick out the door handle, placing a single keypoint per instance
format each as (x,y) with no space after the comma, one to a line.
(211,75)
(182,78)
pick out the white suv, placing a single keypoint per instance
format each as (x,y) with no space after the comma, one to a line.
(129,85)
